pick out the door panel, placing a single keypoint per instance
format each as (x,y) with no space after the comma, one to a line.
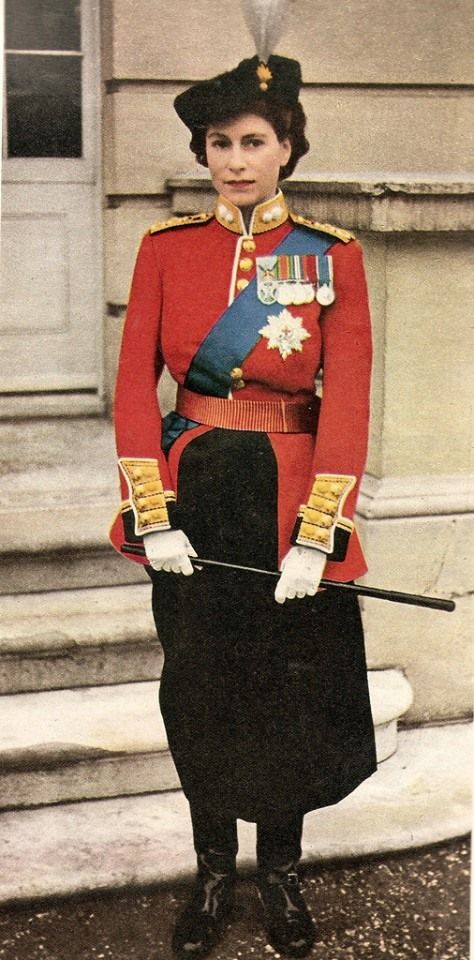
(50,332)
(50,253)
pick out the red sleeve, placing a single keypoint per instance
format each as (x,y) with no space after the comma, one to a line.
(341,443)
(145,479)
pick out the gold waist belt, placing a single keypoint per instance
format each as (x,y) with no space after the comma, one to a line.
(267,416)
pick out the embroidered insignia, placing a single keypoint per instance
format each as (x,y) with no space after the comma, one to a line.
(264,75)
(285,333)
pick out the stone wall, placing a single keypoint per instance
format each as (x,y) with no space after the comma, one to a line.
(386,92)
(387,97)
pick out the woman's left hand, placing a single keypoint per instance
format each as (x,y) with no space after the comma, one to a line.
(301,572)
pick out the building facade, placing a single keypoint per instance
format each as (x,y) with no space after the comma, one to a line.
(387,93)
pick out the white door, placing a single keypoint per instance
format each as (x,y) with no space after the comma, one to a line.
(51,327)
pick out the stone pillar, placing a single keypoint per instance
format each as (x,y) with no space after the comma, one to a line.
(415,502)
(414,507)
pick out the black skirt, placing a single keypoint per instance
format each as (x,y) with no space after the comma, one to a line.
(266,706)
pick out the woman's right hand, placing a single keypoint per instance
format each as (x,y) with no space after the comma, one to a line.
(169,550)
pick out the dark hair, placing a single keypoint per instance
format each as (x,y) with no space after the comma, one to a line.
(287,122)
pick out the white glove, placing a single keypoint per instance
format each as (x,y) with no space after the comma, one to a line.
(169,550)
(301,572)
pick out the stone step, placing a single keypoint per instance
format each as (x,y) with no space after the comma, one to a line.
(77,638)
(58,494)
(420,796)
(96,742)
(71,567)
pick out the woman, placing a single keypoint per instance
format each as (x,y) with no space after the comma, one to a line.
(265,703)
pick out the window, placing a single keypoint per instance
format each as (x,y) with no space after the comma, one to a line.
(43,78)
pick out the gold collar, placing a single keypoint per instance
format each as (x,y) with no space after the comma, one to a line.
(265,216)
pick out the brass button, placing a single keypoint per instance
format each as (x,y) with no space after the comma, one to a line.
(236,375)
(245,263)
(249,246)
(242,283)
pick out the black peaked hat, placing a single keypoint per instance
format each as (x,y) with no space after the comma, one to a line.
(231,93)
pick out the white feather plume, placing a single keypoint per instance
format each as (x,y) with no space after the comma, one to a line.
(266,20)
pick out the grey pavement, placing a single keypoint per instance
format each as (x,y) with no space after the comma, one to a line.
(407,906)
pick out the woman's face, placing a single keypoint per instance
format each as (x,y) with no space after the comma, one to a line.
(244,159)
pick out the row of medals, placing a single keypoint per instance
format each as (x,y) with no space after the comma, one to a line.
(295,292)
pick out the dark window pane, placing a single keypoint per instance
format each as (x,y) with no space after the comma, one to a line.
(44,106)
(43,25)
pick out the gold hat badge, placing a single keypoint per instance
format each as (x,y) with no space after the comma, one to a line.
(264,75)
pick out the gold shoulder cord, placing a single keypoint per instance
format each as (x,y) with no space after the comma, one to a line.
(345,235)
(193,219)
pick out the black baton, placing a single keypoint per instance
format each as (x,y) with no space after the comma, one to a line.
(395,596)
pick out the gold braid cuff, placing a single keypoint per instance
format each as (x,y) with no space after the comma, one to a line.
(323,512)
(148,498)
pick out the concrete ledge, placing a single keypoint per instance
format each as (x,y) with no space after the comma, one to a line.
(383,206)
(415,496)
(39,405)
(420,796)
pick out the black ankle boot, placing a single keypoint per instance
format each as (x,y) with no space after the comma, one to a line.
(289,926)
(201,925)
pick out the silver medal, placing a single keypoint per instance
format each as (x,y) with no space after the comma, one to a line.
(325,295)
(267,291)
(284,294)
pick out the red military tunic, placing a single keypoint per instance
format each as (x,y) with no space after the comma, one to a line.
(188,270)
(266,706)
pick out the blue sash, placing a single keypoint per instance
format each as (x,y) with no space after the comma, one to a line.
(235,334)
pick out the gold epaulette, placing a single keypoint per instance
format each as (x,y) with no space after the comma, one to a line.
(344,235)
(191,220)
